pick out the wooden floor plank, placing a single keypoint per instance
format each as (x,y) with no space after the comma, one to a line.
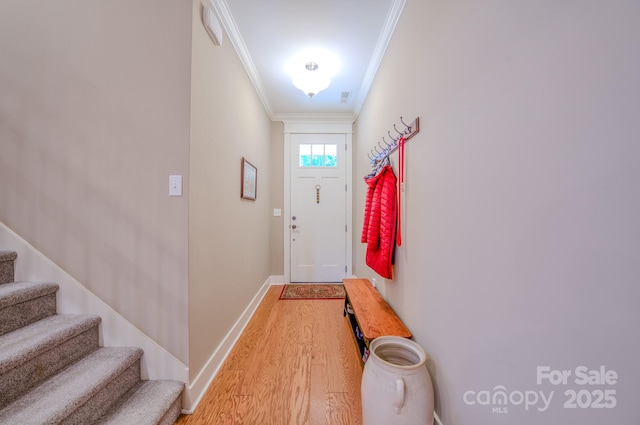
(261,365)
(218,398)
(321,331)
(294,364)
(346,409)
(320,398)
(234,411)
(253,333)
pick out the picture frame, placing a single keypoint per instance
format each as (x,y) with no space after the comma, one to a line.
(248,180)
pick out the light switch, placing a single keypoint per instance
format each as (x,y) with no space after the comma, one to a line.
(277,212)
(175,185)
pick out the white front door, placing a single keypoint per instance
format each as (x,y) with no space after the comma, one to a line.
(317,221)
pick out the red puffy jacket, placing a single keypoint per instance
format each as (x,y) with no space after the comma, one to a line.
(379,229)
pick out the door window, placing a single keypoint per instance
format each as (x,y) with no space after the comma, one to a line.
(318,155)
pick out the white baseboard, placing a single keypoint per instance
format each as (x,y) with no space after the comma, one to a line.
(74,298)
(195,390)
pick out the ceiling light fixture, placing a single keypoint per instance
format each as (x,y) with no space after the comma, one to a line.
(311,80)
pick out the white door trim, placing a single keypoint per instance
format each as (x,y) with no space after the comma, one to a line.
(309,127)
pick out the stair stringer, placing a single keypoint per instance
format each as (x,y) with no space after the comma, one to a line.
(74,298)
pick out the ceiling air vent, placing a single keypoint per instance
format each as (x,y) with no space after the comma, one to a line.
(344,96)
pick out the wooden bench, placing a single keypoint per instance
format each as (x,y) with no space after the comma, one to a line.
(369,315)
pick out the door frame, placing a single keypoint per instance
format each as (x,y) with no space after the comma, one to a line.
(343,127)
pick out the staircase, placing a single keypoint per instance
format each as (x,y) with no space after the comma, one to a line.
(53,371)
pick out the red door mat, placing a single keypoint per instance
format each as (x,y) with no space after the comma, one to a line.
(312,292)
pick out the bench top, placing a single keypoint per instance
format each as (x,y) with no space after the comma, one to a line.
(374,315)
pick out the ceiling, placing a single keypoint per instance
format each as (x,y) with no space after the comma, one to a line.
(267,34)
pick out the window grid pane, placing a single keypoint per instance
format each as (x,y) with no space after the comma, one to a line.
(318,155)
(330,158)
(305,155)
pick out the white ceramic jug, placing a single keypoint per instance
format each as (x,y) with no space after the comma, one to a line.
(396,386)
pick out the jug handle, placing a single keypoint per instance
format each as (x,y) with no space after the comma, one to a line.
(398,402)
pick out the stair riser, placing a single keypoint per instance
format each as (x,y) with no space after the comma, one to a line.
(149,403)
(172,414)
(6,271)
(106,398)
(22,378)
(23,314)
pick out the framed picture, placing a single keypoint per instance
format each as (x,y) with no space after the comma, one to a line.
(248,181)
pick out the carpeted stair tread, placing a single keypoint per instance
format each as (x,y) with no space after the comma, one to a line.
(63,394)
(27,342)
(146,404)
(19,292)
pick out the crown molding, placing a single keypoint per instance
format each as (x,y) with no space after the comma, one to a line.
(222,9)
(381,47)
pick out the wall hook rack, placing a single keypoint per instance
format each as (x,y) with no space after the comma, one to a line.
(407,133)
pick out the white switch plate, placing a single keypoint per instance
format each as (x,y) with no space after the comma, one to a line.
(277,212)
(175,185)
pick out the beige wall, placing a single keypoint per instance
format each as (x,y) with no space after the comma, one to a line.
(521,208)
(94,116)
(276,170)
(229,237)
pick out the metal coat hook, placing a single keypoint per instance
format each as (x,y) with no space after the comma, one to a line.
(396,129)
(390,136)
(411,129)
(405,124)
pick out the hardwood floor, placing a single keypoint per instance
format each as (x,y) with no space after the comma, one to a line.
(296,363)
